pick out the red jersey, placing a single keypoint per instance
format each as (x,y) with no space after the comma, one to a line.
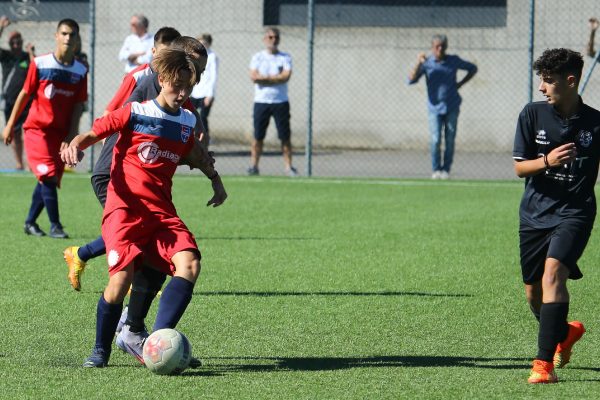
(55,88)
(150,144)
(129,83)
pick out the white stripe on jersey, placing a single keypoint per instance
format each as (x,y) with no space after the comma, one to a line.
(150,109)
(142,73)
(47,61)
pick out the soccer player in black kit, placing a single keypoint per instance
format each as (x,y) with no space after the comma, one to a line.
(556,150)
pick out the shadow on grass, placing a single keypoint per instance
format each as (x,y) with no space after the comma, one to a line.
(292,294)
(278,364)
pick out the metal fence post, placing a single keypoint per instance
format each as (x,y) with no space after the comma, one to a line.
(310,39)
(531,46)
(91,71)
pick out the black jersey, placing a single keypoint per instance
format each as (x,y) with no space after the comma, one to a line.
(147,88)
(565,192)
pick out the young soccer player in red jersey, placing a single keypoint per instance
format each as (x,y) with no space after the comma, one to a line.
(75,256)
(140,220)
(58,84)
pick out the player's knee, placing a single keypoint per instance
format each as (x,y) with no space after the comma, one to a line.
(118,286)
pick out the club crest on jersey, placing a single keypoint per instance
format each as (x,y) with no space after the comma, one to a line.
(585,138)
(186,131)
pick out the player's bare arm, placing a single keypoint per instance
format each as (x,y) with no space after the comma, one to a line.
(73,153)
(559,156)
(75,117)
(20,103)
(594,23)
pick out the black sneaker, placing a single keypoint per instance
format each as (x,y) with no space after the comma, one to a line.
(33,229)
(56,232)
(252,171)
(98,359)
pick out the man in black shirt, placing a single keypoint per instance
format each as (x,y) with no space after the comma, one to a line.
(15,63)
(557,150)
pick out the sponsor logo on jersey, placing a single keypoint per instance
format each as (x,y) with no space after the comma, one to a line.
(585,138)
(541,138)
(113,258)
(50,91)
(149,152)
(185,133)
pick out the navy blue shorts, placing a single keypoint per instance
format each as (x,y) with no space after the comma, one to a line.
(100,184)
(566,243)
(280,113)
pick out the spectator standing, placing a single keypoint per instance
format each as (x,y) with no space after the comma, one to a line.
(270,70)
(15,63)
(203,94)
(444,101)
(137,47)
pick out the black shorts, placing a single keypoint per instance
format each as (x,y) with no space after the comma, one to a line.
(100,184)
(564,242)
(280,113)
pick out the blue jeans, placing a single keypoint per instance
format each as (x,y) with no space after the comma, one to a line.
(436,123)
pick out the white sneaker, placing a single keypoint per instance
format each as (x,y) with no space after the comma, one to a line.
(444,175)
(435,175)
(291,172)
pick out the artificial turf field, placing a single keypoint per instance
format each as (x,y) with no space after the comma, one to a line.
(310,289)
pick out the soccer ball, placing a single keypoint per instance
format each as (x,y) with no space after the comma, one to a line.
(167,352)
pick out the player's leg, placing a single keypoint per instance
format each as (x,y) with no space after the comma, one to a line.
(450,124)
(147,282)
(261,116)
(77,257)
(567,246)
(435,137)
(533,294)
(50,197)
(204,112)
(281,115)
(17,147)
(178,292)
(108,312)
(35,209)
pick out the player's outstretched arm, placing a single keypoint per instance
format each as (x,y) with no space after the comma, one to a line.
(20,103)
(73,153)
(74,127)
(219,193)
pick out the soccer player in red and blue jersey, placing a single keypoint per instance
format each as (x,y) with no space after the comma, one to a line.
(58,84)
(75,256)
(140,222)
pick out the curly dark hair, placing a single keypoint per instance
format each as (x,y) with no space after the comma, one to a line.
(561,61)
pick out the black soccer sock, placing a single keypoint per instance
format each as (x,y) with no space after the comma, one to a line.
(553,329)
(50,196)
(92,249)
(37,204)
(173,302)
(146,284)
(107,318)
(536,313)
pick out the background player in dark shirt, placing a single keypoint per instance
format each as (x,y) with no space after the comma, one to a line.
(15,63)
(557,148)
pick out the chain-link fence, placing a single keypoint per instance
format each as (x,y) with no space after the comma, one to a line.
(367,120)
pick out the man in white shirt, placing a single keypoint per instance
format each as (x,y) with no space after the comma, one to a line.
(137,48)
(270,71)
(203,95)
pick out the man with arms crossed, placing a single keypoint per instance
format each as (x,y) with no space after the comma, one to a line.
(556,150)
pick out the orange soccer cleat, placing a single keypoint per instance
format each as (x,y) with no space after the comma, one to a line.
(76,266)
(562,356)
(542,372)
